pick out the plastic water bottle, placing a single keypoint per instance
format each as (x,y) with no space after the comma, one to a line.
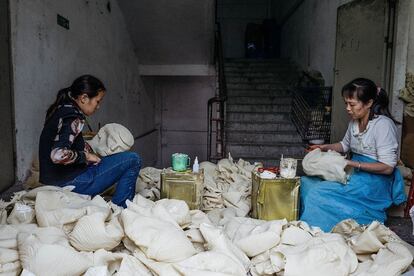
(195,165)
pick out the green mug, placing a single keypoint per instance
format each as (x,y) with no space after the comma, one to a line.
(180,162)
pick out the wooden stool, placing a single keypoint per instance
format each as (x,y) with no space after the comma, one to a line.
(410,199)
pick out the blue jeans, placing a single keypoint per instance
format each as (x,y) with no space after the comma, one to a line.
(121,168)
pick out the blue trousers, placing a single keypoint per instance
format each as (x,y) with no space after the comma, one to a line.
(121,168)
(364,198)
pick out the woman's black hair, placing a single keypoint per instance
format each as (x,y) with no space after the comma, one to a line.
(365,90)
(86,84)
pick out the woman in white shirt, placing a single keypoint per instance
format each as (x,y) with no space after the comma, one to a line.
(375,184)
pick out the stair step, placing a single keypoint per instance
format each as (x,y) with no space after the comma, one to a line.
(248,70)
(263,137)
(258,116)
(259,86)
(259,126)
(260,64)
(254,80)
(256,60)
(279,92)
(258,108)
(277,100)
(268,150)
(264,74)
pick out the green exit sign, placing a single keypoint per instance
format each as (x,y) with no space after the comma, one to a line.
(63,21)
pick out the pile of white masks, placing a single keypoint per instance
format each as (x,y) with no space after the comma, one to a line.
(84,236)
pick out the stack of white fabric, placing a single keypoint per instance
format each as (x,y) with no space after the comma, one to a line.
(84,236)
(149,183)
(227,188)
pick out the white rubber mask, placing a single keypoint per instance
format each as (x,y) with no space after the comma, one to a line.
(110,139)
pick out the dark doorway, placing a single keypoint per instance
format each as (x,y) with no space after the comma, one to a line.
(7,156)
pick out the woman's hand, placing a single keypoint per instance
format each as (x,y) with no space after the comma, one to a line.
(92,158)
(375,167)
(325,147)
(314,147)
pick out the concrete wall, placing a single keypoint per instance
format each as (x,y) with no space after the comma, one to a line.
(282,8)
(309,36)
(181,115)
(174,41)
(47,57)
(234,15)
(408,8)
(171,32)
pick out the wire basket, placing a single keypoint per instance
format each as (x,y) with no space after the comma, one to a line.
(311,112)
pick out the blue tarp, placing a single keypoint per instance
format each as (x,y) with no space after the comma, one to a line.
(364,198)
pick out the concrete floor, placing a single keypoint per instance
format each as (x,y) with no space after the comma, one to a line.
(403,227)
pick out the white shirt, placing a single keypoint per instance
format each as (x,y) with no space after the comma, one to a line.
(378,141)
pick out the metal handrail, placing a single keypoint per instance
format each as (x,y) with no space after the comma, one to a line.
(219,100)
(219,57)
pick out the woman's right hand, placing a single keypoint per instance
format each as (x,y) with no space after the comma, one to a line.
(314,147)
(92,158)
(325,147)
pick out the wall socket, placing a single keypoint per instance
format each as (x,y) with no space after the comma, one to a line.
(62,21)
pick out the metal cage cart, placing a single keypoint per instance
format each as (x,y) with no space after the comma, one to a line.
(311,113)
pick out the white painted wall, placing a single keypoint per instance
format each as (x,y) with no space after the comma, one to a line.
(308,37)
(47,57)
(171,32)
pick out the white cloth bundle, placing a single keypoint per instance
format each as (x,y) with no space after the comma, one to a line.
(327,165)
(211,263)
(254,236)
(218,242)
(227,184)
(21,214)
(9,255)
(148,183)
(393,259)
(92,232)
(46,246)
(322,255)
(156,232)
(110,139)
(63,209)
(165,238)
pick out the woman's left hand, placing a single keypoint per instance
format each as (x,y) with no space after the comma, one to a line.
(375,167)
(352,164)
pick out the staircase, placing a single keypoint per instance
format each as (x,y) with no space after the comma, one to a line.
(258,125)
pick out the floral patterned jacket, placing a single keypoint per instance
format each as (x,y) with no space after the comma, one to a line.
(62,147)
